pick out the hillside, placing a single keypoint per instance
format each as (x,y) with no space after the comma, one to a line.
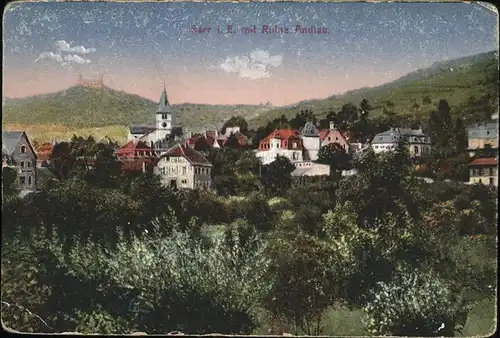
(81,107)
(469,82)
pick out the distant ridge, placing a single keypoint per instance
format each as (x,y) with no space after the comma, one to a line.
(85,107)
(467,83)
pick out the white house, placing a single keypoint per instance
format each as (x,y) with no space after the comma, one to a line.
(419,145)
(284,142)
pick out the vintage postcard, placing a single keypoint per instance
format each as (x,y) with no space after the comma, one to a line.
(250,168)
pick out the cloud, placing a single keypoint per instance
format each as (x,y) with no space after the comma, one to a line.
(76,58)
(66,59)
(255,66)
(49,55)
(65,47)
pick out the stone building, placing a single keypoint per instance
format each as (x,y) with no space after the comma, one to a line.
(183,167)
(18,152)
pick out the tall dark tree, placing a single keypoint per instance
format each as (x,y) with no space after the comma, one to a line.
(461,137)
(347,116)
(301,118)
(335,156)
(365,108)
(233,142)
(276,175)
(9,180)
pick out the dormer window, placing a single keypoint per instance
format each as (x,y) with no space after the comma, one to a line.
(23,149)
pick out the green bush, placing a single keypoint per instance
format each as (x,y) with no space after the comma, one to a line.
(415,304)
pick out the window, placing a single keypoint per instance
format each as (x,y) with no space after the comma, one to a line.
(491,172)
(329,138)
(491,180)
(29,180)
(29,164)
(22,164)
(22,179)
(415,149)
(184,170)
(23,149)
(294,144)
(184,181)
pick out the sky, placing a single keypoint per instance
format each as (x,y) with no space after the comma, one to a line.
(139,46)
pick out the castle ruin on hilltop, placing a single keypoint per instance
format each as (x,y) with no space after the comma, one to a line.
(99,83)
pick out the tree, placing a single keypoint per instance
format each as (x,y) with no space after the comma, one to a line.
(248,163)
(461,137)
(201,144)
(347,116)
(365,108)
(10,181)
(276,175)
(379,185)
(415,304)
(335,156)
(303,289)
(232,142)
(301,118)
(426,100)
(236,121)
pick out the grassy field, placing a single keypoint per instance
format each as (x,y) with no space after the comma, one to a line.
(40,133)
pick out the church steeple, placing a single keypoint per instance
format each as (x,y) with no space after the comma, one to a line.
(164,105)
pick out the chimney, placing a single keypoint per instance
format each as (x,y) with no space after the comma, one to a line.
(54,142)
(332,125)
(143,166)
(216,133)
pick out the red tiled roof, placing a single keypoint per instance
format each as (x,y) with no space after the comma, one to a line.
(133,146)
(190,154)
(45,147)
(45,156)
(282,134)
(323,133)
(484,161)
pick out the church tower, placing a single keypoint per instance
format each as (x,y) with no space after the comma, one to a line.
(164,117)
(311,141)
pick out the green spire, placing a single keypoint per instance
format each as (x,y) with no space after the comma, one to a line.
(164,106)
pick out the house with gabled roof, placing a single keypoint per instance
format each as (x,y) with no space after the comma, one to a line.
(484,170)
(419,145)
(18,152)
(183,167)
(136,156)
(284,142)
